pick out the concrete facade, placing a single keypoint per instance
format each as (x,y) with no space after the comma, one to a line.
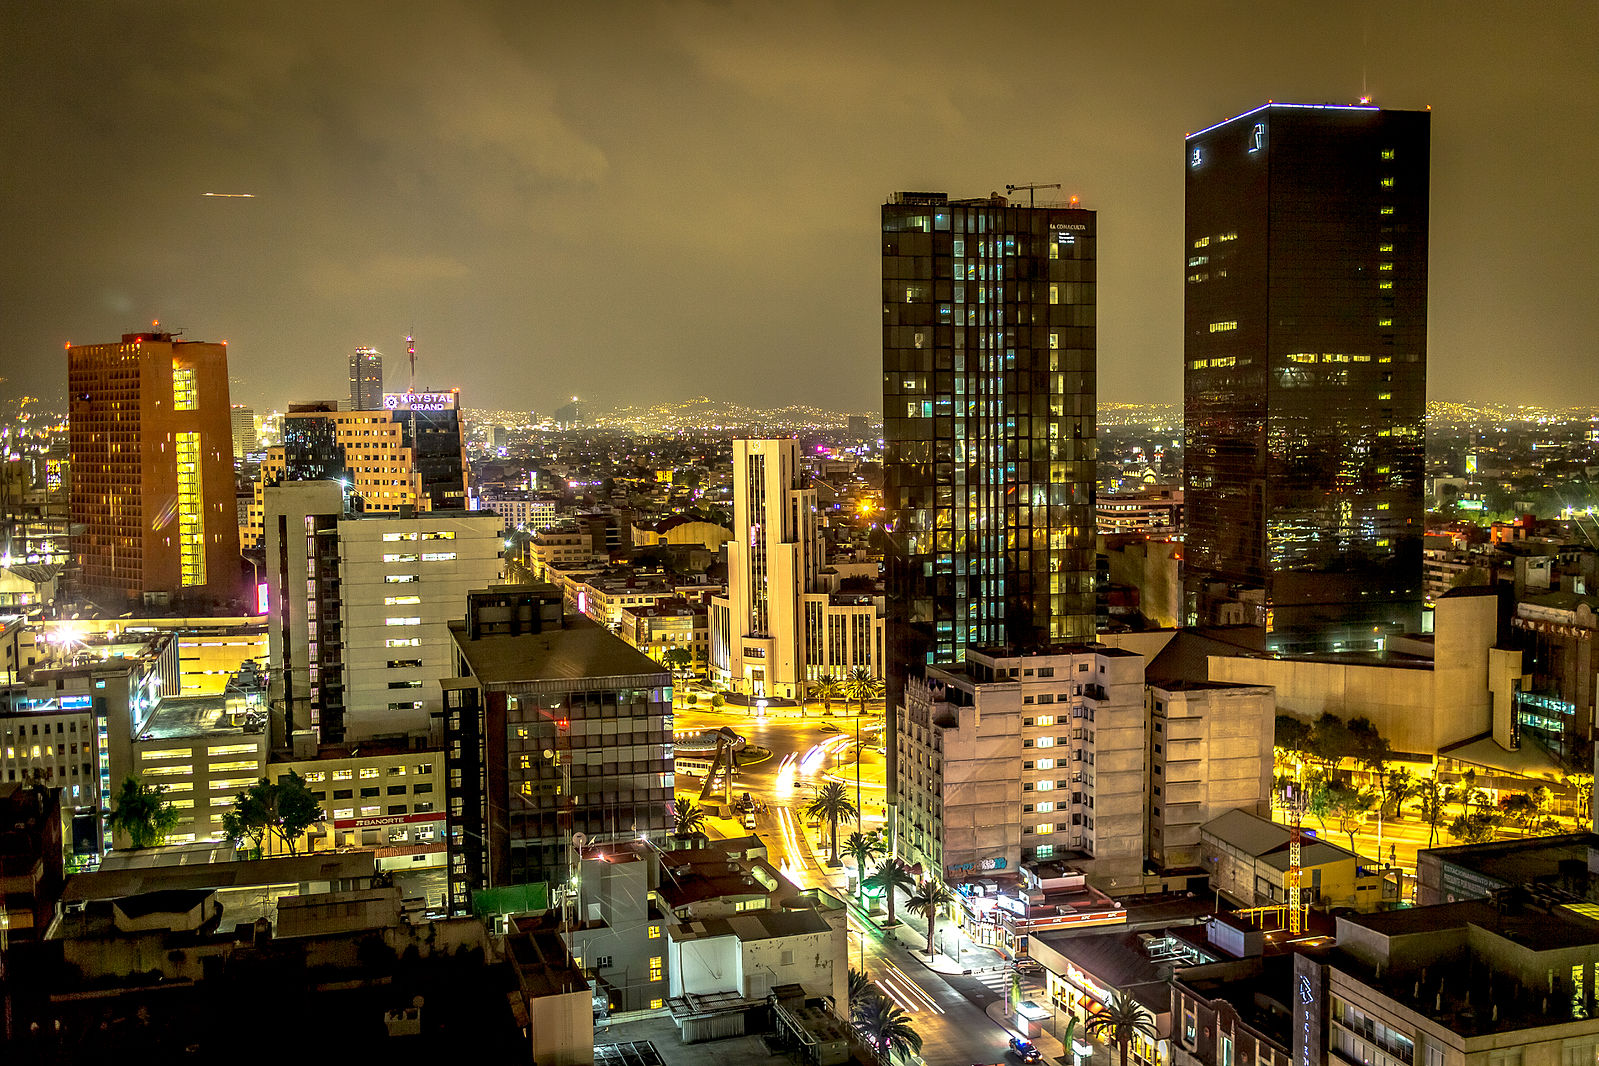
(1418,706)
(1210,752)
(1012,759)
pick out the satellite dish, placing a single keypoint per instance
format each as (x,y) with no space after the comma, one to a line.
(579,839)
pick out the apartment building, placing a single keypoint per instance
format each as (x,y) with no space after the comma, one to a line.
(1210,750)
(359,604)
(1009,759)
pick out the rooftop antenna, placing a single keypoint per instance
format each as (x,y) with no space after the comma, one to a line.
(1031,190)
(410,350)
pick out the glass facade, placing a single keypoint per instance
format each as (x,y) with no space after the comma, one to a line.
(988,416)
(1305,372)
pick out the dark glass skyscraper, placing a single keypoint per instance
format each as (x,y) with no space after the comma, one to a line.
(988,424)
(366,380)
(1305,373)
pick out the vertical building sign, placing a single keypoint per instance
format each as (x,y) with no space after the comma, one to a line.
(1308,994)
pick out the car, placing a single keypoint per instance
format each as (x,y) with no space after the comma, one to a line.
(1025,1050)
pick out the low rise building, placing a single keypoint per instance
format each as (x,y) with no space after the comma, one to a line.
(32,861)
(1247,859)
(1558,868)
(1458,984)
(384,798)
(202,755)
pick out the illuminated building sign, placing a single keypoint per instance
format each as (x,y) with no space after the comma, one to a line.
(391,819)
(420,401)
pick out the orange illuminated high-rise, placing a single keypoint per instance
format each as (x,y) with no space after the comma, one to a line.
(154,518)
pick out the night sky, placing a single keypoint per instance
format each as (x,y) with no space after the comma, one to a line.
(642,201)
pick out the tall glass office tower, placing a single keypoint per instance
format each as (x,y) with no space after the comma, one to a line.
(988,421)
(1305,373)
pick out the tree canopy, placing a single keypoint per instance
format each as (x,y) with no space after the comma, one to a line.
(284,808)
(142,812)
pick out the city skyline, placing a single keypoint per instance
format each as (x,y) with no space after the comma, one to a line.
(569,209)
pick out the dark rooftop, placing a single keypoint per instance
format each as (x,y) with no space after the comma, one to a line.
(1530,861)
(579,649)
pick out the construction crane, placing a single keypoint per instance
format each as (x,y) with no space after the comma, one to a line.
(1031,189)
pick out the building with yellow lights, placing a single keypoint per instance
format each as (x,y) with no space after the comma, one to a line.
(152,499)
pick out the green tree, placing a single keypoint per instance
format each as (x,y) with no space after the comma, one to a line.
(1330,741)
(862,685)
(859,985)
(1521,809)
(142,812)
(1121,1021)
(1433,798)
(284,809)
(1473,828)
(687,819)
(891,874)
(1367,746)
(931,897)
(1350,807)
(862,848)
(887,1028)
(833,803)
(1395,787)
(1291,740)
(827,690)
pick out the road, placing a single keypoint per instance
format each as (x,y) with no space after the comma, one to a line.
(947,1012)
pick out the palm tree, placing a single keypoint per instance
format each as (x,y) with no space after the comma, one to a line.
(862,685)
(687,819)
(827,690)
(859,986)
(887,1028)
(143,813)
(863,848)
(891,874)
(833,803)
(1120,1021)
(932,896)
